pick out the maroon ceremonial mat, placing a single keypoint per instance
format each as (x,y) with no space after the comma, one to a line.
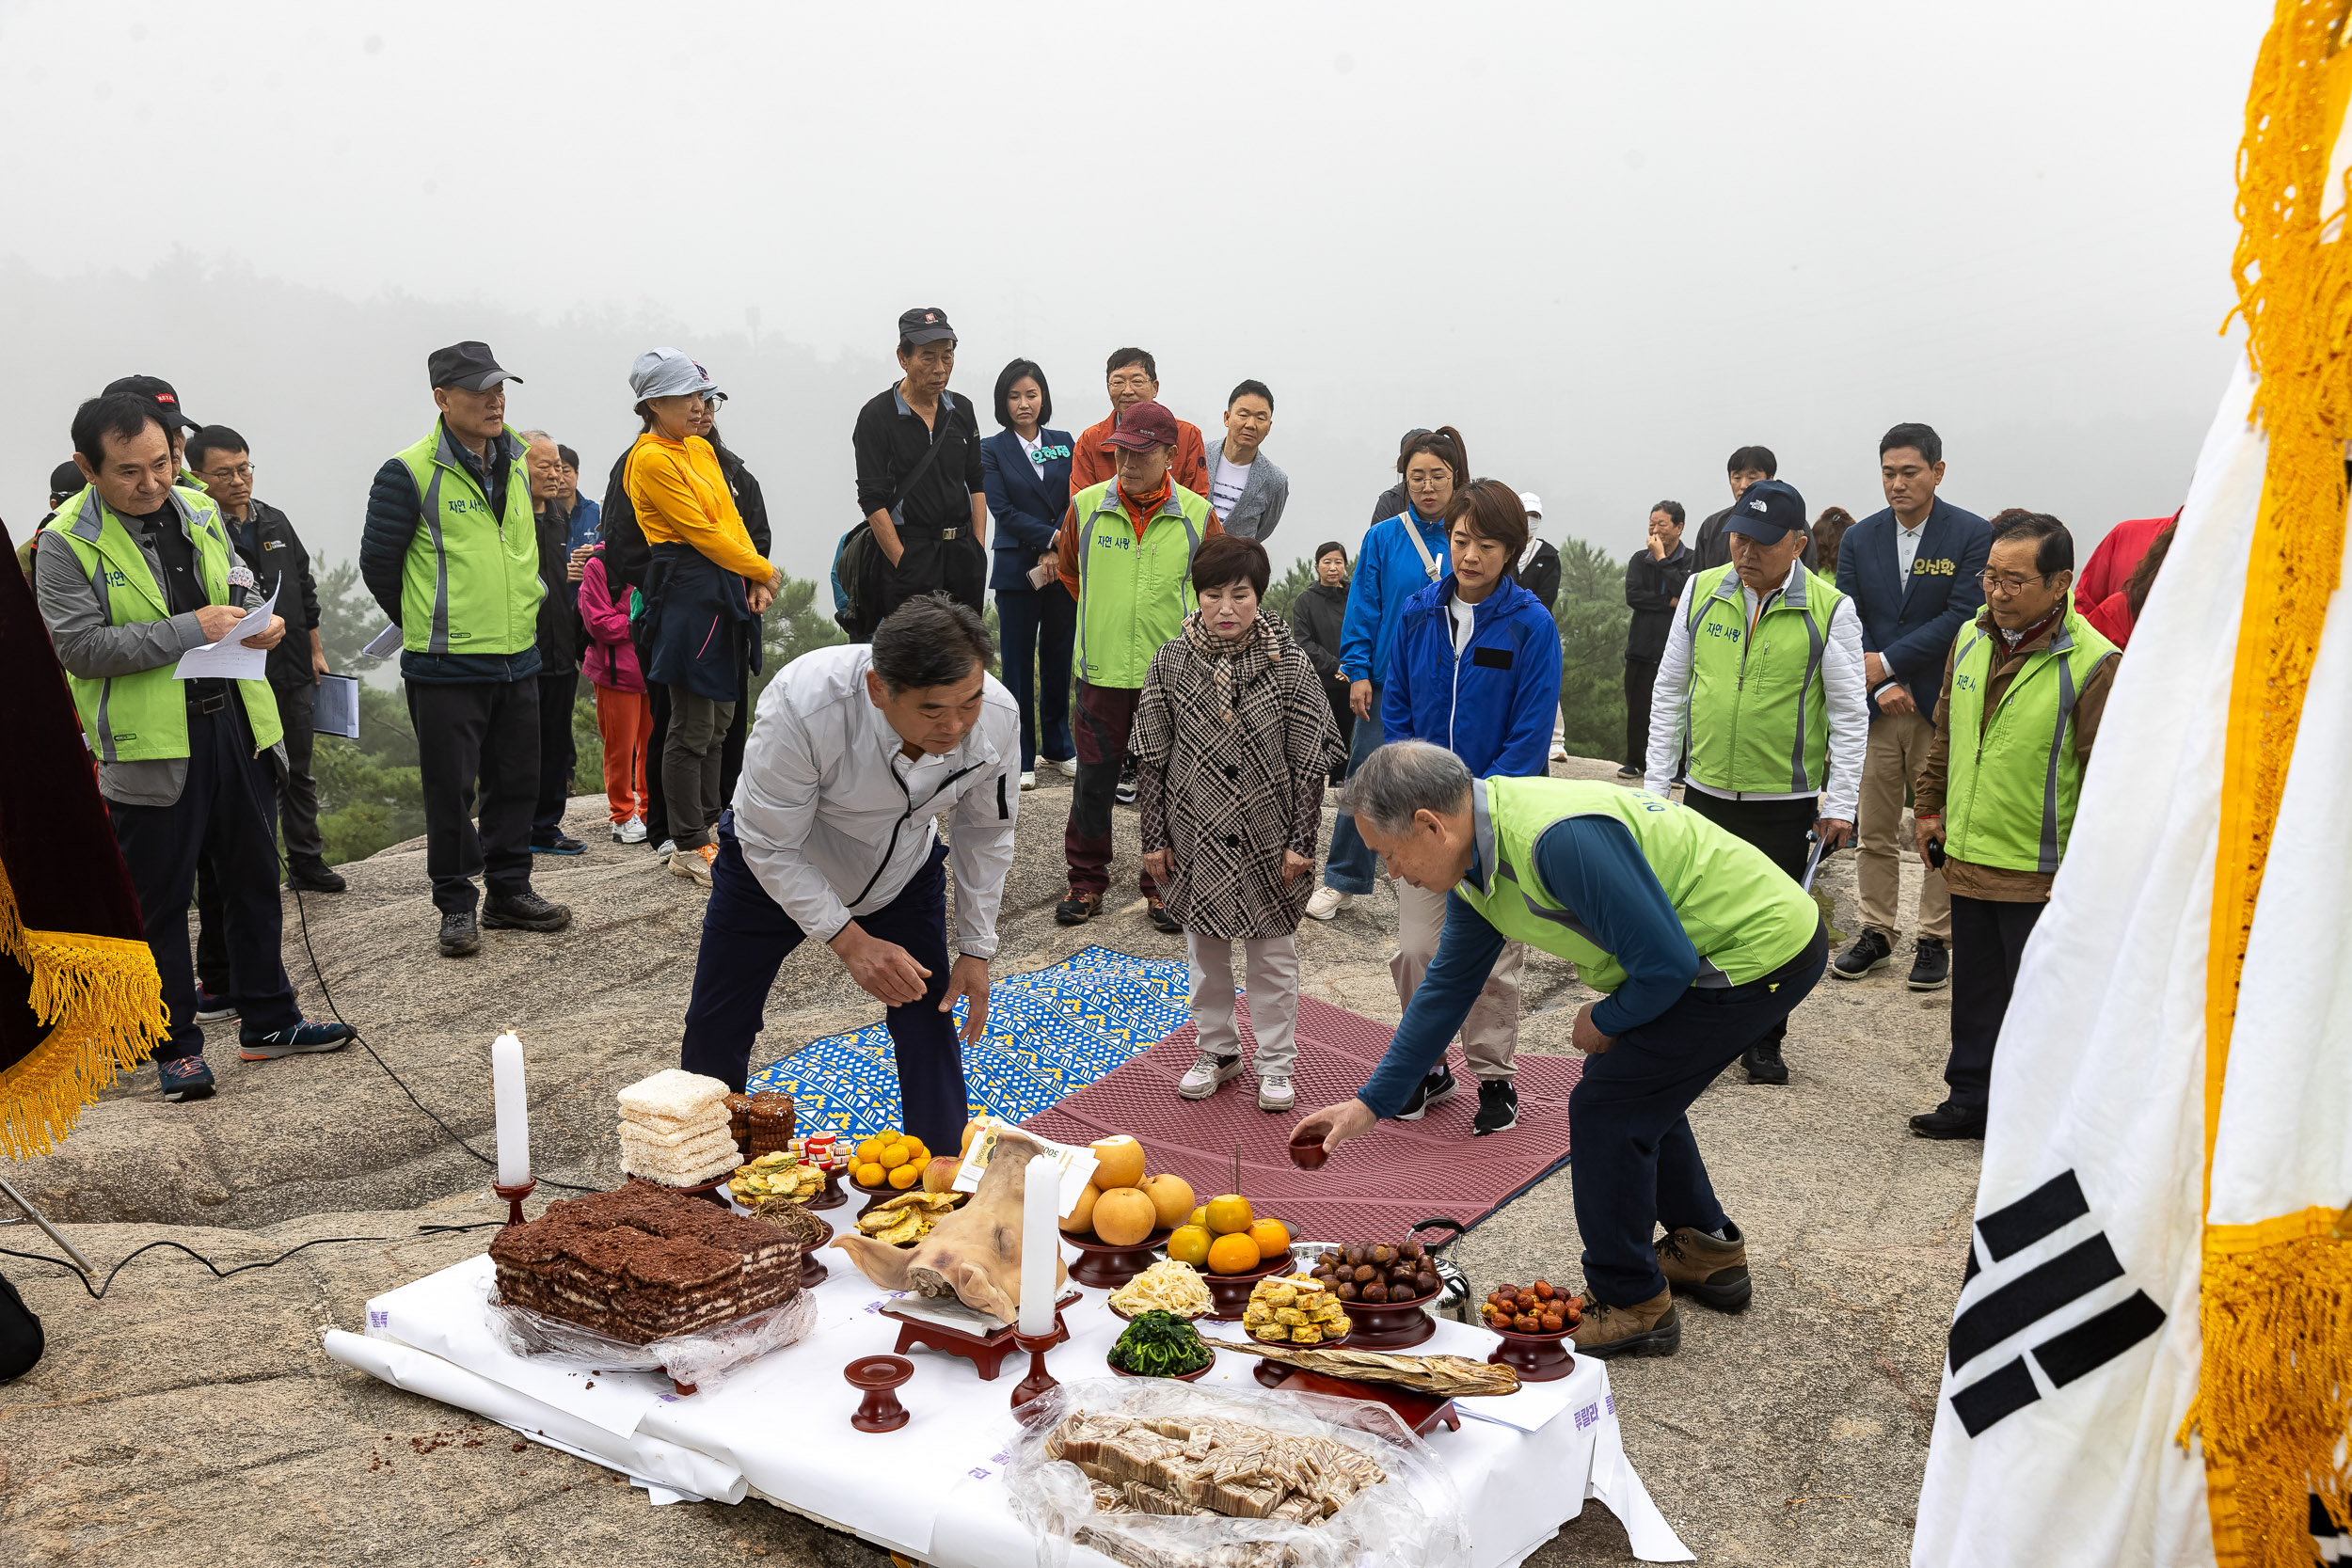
(1379,1184)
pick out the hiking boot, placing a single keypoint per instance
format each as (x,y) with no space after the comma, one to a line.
(1274,1093)
(560,844)
(185,1078)
(1870,950)
(1652,1327)
(1948,1121)
(1327,902)
(1715,1273)
(460,936)
(1439,1086)
(1498,1106)
(303,1038)
(1931,965)
(523,912)
(1763,1063)
(213,1008)
(313,876)
(1160,917)
(630,831)
(1206,1072)
(693,865)
(1077,909)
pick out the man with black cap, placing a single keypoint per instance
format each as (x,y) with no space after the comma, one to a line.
(450,553)
(1760,686)
(918,474)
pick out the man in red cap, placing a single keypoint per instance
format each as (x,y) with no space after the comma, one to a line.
(1126,553)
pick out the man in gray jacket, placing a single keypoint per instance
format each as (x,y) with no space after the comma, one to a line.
(1247,489)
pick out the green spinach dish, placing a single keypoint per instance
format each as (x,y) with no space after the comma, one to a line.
(1160,1344)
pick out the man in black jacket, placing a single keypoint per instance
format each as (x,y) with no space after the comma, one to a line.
(1653,586)
(1744,467)
(559,646)
(918,474)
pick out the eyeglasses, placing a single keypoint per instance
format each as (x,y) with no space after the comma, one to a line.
(1993,581)
(243,470)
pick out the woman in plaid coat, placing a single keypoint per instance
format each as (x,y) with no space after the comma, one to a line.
(1233,742)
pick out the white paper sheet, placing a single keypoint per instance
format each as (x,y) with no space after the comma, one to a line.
(384,644)
(336,711)
(228,659)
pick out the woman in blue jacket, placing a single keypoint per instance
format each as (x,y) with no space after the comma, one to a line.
(1025,469)
(1474,667)
(1400,556)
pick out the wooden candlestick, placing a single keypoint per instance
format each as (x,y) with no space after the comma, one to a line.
(880,1376)
(514,1197)
(832,1196)
(1039,1379)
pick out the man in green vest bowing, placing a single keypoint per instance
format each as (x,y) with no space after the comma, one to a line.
(2024,690)
(1700,945)
(133,573)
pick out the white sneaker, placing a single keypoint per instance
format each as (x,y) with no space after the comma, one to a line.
(1558,753)
(1275,1092)
(1327,901)
(667,848)
(630,831)
(1207,1073)
(1028,781)
(1066,766)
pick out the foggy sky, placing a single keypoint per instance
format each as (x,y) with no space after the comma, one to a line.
(1610,244)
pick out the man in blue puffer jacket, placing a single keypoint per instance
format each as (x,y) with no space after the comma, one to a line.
(1474,668)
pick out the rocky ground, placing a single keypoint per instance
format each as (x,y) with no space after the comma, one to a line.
(188,1420)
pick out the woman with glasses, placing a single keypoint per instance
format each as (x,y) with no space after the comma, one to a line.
(1025,471)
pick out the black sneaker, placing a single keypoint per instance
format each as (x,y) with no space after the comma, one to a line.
(313,877)
(185,1078)
(1498,1106)
(1439,1085)
(560,844)
(212,1007)
(1764,1065)
(1947,1121)
(1931,965)
(1077,909)
(1160,917)
(523,912)
(460,936)
(1125,792)
(304,1038)
(1869,951)
(1629,772)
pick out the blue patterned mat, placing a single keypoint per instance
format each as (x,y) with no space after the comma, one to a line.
(1049,1032)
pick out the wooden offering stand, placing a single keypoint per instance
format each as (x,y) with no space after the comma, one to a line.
(880,1376)
(1390,1324)
(1421,1414)
(1107,1267)
(514,1197)
(986,1353)
(1536,1357)
(1229,1293)
(832,1196)
(871,1195)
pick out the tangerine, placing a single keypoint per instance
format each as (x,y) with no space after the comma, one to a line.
(893,1156)
(870,1174)
(1272,1238)
(1200,1216)
(1189,1243)
(917,1152)
(1233,1254)
(903,1176)
(1228,1214)
(870,1152)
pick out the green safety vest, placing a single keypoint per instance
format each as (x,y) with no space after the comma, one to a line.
(470,581)
(1133,593)
(1757,717)
(1742,912)
(143,716)
(2013,777)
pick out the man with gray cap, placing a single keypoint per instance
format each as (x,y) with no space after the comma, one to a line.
(919,479)
(451,554)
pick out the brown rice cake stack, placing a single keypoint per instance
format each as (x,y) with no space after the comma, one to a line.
(674,1129)
(645,1263)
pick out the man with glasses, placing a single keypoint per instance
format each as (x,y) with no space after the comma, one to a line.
(1133,376)
(2023,694)
(1911,570)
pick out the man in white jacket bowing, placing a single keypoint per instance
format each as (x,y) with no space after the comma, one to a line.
(855,752)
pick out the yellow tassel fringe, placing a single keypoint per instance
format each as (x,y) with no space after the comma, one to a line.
(104,1003)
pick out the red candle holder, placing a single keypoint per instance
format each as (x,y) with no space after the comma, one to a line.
(1039,1379)
(880,1376)
(514,1197)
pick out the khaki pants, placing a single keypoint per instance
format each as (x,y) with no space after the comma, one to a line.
(1273,963)
(1490,1035)
(1898,750)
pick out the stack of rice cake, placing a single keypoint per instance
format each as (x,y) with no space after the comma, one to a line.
(675,1130)
(1212,1466)
(645,1263)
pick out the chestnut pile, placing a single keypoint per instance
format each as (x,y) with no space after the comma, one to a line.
(1378,1273)
(1538,1308)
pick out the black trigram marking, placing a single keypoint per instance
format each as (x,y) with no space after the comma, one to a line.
(2047,1288)
(2332,1543)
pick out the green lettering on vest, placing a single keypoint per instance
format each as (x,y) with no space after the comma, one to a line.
(2014,776)
(470,581)
(1133,593)
(1742,914)
(1758,717)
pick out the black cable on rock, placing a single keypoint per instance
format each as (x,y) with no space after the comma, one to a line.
(98,1293)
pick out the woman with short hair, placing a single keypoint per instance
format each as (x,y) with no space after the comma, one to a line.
(1024,468)
(1315,620)
(1232,741)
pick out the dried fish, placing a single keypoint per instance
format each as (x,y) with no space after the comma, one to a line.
(1448,1376)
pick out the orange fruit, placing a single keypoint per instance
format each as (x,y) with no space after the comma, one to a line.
(870,1174)
(903,1176)
(916,1154)
(1199,1217)
(1189,1245)
(1233,1254)
(1228,1214)
(893,1155)
(1272,1238)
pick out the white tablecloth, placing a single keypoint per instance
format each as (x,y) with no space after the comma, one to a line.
(779,1428)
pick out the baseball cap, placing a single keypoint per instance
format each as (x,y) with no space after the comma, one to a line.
(1767,513)
(925,324)
(1530,503)
(1141,427)
(155,388)
(665,373)
(65,480)
(467,366)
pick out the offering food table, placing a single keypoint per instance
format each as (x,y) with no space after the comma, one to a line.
(779,1428)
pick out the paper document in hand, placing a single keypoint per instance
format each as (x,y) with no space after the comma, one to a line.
(384,644)
(338,708)
(230,658)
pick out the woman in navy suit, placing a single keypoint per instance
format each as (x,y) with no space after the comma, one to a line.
(1027,472)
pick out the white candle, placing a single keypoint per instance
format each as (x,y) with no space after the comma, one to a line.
(513,1111)
(1040,1244)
